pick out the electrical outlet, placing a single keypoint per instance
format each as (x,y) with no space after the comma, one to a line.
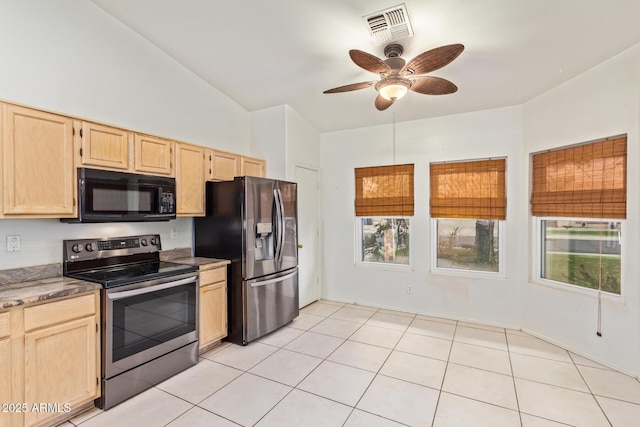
(13,243)
(409,289)
(174,233)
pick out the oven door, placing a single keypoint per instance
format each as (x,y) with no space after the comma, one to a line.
(146,320)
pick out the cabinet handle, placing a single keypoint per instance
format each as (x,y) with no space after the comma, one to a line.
(80,151)
(80,132)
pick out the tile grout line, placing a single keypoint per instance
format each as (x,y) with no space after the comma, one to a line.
(310,372)
(513,377)
(376,374)
(444,375)
(589,388)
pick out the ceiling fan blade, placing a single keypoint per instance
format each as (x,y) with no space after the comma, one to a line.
(369,62)
(347,88)
(433,59)
(382,103)
(429,85)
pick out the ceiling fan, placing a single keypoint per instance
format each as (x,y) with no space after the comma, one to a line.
(398,76)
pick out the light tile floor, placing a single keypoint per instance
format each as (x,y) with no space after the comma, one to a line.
(347,365)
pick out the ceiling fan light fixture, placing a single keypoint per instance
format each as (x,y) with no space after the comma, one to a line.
(393,88)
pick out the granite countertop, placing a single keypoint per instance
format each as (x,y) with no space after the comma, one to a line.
(41,283)
(203,263)
(16,294)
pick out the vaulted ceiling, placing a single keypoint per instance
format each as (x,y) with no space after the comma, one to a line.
(267,53)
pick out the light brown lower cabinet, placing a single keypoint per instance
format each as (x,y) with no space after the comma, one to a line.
(213,306)
(53,358)
(5,368)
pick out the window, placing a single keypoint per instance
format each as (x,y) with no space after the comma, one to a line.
(385,240)
(579,198)
(584,253)
(468,244)
(468,208)
(383,203)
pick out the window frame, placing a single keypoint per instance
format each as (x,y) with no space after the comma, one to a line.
(500,274)
(537,259)
(359,262)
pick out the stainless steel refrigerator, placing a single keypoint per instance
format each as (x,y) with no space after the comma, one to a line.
(253,222)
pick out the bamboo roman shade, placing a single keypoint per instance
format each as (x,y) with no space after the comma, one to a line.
(473,190)
(384,191)
(588,180)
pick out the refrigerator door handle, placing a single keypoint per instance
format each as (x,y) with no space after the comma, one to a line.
(277,230)
(274,280)
(281,227)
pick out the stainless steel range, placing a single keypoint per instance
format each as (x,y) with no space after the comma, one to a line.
(149,311)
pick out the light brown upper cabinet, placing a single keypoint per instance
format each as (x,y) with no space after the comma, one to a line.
(222,166)
(37,164)
(153,155)
(103,146)
(252,167)
(190,179)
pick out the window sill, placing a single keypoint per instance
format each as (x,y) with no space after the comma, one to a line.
(383,266)
(468,273)
(574,289)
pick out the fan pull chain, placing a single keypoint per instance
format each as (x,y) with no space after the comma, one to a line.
(599,330)
(599,327)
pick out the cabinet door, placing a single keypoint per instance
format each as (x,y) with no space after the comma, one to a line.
(153,155)
(5,368)
(38,171)
(252,167)
(104,146)
(224,166)
(60,367)
(190,163)
(213,313)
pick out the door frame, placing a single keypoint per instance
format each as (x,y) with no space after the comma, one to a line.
(320,231)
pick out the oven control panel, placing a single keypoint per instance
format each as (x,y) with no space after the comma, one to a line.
(86,249)
(106,245)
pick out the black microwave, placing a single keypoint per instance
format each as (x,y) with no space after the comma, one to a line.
(108,196)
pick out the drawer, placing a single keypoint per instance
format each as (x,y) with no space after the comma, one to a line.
(5,324)
(212,276)
(59,311)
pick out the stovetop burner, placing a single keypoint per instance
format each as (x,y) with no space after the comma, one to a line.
(118,261)
(132,273)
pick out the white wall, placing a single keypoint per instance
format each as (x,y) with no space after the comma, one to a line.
(71,57)
(602,102)
(284,139)
(303,143)
(493,133)
(269,139)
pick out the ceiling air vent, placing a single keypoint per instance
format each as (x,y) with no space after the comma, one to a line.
(389,25)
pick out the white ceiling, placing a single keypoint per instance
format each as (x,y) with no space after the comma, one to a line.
(267,53)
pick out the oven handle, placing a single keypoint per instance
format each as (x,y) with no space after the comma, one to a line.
(147,289)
